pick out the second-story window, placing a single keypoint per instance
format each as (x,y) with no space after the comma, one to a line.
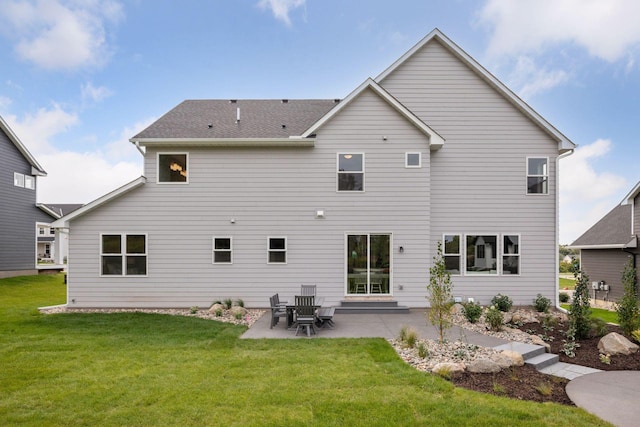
(537,175)
(173,168)
(350,172)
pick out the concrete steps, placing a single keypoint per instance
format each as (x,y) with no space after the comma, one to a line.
(371,307)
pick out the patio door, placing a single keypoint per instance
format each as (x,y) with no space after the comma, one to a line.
(368,260)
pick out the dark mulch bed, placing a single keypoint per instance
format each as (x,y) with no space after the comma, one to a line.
(526,383)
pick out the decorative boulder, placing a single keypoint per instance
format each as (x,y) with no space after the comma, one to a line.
(614,344)
(483,366)
(502,360)
(216,307)
(457,308)
(516,358)
(536,340)
(237,310)
(444,368)
(506,317)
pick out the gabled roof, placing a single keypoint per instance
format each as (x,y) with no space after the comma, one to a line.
(628,199)
(36,169)
(211,120)
(60,210)
(435,140)
(63,222)
(611,232)
(564,144)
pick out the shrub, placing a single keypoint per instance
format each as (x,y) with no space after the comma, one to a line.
(472,311)
(598,327)
(218,312)
(564,297)
(493,317)
(627,308)
(541,303)
(502,302)
(423,351)
(544,389)
(194,309)
(412,338)
(240,303)
(580,312)
(636,335)
(227,303)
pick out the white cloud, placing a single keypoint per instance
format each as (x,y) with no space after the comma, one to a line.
(35,130)
(82,177)
(606,29)
(121,148)
(60,34)
(4,102)
(281,8)
(528,79)
(586,194)
(95,94)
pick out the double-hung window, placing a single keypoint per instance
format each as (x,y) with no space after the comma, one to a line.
(350,172)
(123,254)
(18,179)
(452,253)
(277,250)
(173,168)
(510,254)
(537,175)
(222,253)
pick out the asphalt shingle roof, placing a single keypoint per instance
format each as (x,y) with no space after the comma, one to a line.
(613,229)
(216,118)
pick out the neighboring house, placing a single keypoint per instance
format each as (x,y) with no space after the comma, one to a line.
(52,246)
(606,247)
(18,211)
(246,198)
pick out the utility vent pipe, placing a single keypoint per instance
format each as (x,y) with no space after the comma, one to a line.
(238,115)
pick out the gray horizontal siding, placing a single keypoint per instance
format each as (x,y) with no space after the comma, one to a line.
(478,179)
(607,265)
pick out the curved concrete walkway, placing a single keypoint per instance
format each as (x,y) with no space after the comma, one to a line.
(610,395)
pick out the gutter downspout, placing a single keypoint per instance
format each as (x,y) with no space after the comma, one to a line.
(140,150)
(561,156)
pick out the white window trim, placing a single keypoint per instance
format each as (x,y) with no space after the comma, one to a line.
(519,254)
(30,182)
(364,181)
(123,245)
(18,179)
(172,153)
(460,251)
(214,250)
(406,160)
(527,176)
(346,263)
(285,250)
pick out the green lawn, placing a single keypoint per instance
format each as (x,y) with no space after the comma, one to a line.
(144,369)
(606,315)
(567,283)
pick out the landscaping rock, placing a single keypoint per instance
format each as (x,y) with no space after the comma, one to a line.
(506,317)
(615,343)
(444,368)
(483,366)
(516,358)
(238,311)
(216,307)
(457,308)
(535,339)
(502,360)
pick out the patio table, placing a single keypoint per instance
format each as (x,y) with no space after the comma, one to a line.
(291,307)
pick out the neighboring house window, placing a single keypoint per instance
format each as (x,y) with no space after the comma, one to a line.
(52,231)
(482,254)
(29,182)
(40,230)
(350,172)
(537,175)
(123,254)
(511,254)
(222,250)
(452,254)
(173,167)
(413,160)
(18,179)
(277,250)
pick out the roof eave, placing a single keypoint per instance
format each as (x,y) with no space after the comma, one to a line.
(564,144)
(36,169)
(628,199)
(46,209)
(63,222)
(225,142)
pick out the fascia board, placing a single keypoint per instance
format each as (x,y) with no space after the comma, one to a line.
(628,199)
(64,221)
(224,142)
(46,209)
(564,144)
(612,246)
(435,140)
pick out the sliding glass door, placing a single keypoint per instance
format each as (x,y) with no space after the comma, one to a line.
(368,264)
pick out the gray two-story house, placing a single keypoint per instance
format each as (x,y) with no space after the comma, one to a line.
(246,198)
(18,211)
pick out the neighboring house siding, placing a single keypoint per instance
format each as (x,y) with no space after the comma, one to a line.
(636,215)
(18,214)
(271,192)
(478,177)
(607,265)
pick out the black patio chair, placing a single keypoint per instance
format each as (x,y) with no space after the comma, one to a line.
(277,311)
(308,290)
(306,314)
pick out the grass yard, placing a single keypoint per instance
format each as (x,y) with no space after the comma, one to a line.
(606,315)
(567,283)
(147,369)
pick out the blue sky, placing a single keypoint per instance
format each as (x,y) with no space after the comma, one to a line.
(78,78)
